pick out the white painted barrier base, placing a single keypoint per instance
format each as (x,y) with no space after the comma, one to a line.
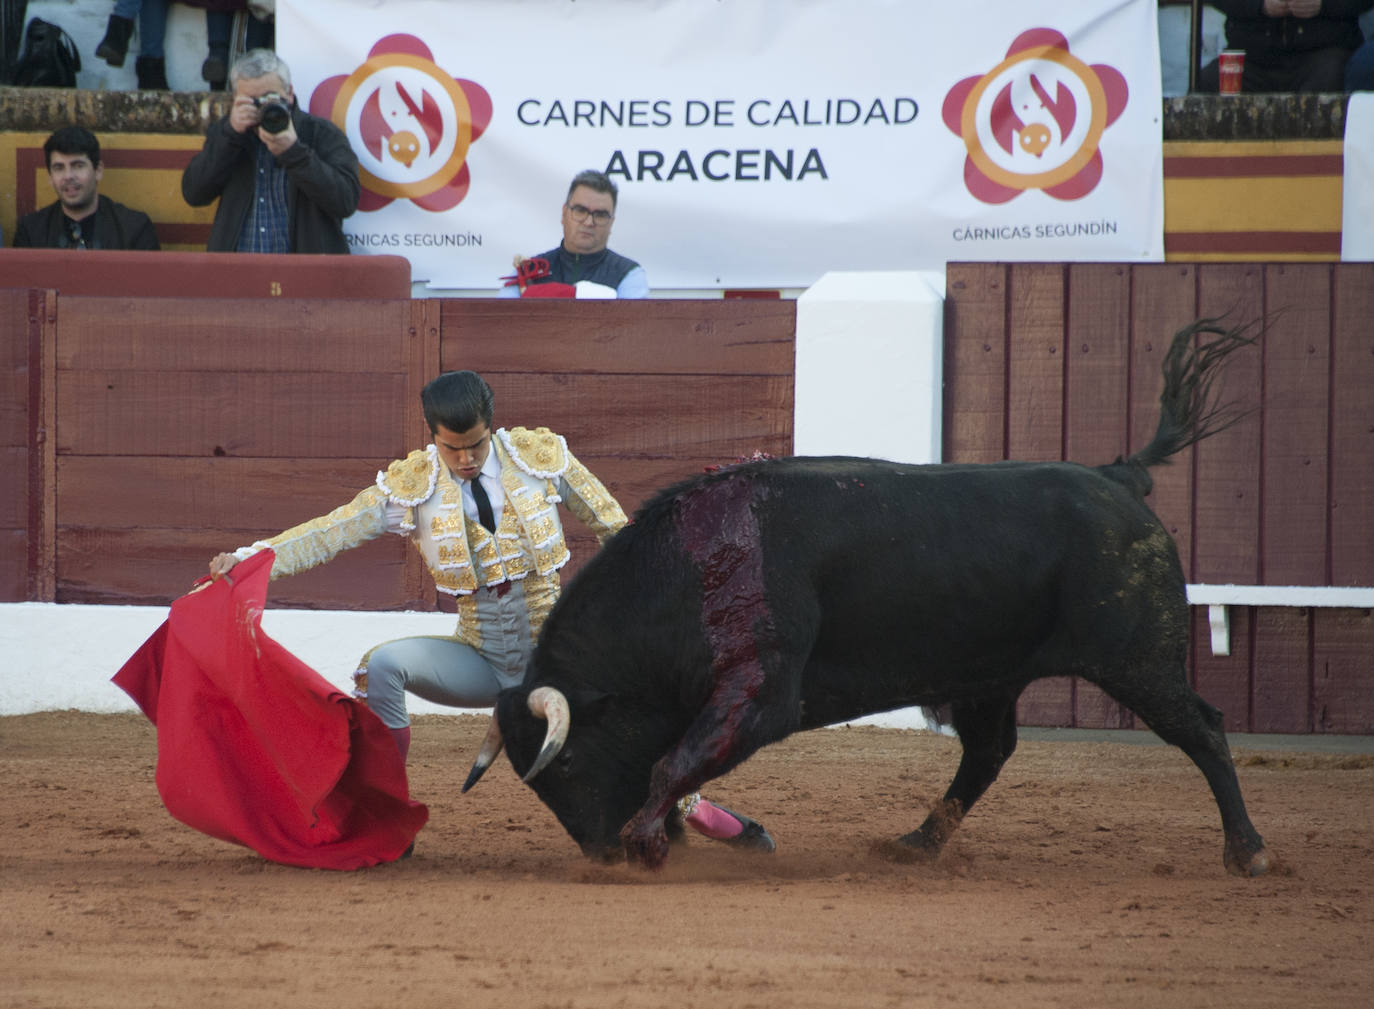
(61,657)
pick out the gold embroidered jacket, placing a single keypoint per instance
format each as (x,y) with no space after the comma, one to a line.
(417,497)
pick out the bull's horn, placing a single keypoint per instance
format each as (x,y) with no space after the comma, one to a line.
(550,704)
(491,746)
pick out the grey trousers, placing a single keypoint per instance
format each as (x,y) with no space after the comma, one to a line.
(447,670)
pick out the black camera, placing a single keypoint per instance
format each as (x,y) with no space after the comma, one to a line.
(274,115)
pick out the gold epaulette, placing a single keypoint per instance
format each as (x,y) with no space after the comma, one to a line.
(540,452)
(411,480)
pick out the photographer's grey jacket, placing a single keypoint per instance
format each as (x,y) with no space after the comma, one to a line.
(322,176)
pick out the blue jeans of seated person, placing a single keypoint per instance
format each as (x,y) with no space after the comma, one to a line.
(219,26)
(152,23)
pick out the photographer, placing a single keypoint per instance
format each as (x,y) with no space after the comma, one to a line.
(285,179)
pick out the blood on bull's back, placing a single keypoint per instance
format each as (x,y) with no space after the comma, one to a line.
(910,585)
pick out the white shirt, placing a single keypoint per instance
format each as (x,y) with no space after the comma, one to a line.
(490,476)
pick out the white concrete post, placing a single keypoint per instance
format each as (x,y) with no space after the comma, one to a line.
(870,366)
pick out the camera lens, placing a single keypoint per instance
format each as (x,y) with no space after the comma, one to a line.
(275,116)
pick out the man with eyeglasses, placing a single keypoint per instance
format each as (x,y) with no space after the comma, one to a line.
(81,218)
(582,257)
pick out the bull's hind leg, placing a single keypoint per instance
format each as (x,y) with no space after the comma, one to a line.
(987,730)
(1179,716)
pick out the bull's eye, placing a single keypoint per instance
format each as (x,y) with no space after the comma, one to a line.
(564,757)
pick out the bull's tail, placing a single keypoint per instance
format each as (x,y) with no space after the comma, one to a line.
(1187,410)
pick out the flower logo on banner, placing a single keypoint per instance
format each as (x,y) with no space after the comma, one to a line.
(410,123)
(1035,120)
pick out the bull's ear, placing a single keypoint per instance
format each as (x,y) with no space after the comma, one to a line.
(584,702)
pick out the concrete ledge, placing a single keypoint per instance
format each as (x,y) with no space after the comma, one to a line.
(1281,595)
(1218,599)
(869,366)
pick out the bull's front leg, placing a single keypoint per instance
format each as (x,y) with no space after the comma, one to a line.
(645,836)
(729,728)
(718,528)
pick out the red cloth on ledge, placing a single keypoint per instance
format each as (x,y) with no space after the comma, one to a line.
(552,289)
(255,747)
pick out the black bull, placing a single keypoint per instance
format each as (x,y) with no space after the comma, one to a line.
(778,595)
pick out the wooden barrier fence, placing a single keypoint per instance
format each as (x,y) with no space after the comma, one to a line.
(147,434)
(164,430)
(1056,361)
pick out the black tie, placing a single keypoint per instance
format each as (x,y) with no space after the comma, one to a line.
(479,494)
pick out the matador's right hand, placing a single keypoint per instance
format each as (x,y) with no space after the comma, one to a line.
(220,565)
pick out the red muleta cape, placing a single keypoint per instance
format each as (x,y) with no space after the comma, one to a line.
(255,747)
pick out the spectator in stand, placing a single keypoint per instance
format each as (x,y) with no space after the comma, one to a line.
(81,218)
(151,65)
(260,33)
(582,256)
(1289,45)
(282,190)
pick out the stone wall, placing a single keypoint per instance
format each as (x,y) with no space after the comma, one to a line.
(1185,117)
(41,110)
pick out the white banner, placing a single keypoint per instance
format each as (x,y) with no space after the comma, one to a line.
(1357,202)
(756,143)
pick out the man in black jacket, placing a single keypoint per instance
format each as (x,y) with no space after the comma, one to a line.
(81,218)
(285,179)
(588,213)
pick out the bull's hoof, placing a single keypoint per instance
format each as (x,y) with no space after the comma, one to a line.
(647,846)
(903,851)
(606,855)
(929,838)
(651,854)
(916,840)
(923,842)
(1251,865)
